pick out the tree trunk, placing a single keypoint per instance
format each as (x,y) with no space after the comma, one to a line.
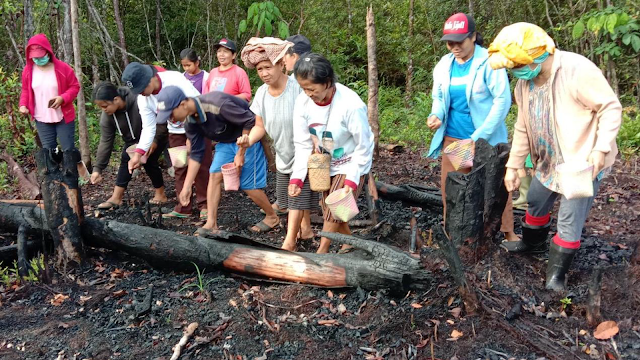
(373,78)
(465,205)
(28,189)
(408,89)
(613,77)
(95,69)
(158,47)
(29,29)
(471,7)
(19,54)
(123,44)
(82,111)
(63,204)
(65,34)
(372,266)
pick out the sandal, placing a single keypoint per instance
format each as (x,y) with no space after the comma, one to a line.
(278,212)
(262,227)
(174,215)
(203,214)
(108,205)
(202,232)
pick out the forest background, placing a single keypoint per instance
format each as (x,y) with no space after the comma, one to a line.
(115,32)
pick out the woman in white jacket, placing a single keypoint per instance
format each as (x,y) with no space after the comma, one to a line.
(330,110)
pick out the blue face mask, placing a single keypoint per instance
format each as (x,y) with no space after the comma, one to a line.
(41,61)
(526,73)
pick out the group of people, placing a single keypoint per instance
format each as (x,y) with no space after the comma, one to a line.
(566,112)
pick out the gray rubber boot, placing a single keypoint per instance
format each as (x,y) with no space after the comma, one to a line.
(560,260)
(534,239)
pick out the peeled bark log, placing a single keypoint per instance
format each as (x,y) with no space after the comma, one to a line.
(371,266)
(63,205)
(465,205)
(28,189)
(372,104)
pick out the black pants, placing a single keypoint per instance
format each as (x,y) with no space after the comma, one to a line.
(151,167)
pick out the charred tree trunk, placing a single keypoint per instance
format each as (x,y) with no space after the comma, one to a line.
(494,159)
(465,205)
(408,89)
(450,252)
(63,204)
(372,266)
(28,189)
(123,44)
(373,203)
(594,299)
(373,78)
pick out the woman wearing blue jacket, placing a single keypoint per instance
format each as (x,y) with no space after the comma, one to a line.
(470,100)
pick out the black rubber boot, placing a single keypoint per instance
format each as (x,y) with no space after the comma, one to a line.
(560,259)
(534,239)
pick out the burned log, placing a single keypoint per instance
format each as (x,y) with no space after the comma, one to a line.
(62,202)
(494,159)
(450,253)
(465,206)
(373,266)
(412,195)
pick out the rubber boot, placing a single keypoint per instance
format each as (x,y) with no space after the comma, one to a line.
(521,202)
(560,259)
(534,239)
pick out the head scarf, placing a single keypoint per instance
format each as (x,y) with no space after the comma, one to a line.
(519,44)
(262,49)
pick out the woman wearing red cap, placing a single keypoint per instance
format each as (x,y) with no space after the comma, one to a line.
(470,100)
(49,87)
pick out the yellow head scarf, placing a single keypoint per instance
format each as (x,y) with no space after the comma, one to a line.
(519,44)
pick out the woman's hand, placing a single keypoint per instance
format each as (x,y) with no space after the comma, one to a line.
(96,178)
(433,122)
(23,110)
(56,102)
(511,180)
(134,162)
(185,195)
(243,141)
(294,190)
(596,158)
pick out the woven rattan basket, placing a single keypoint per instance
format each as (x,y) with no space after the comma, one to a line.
(319,173)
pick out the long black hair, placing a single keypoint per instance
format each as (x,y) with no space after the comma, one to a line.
(190,55)
(105,91)
(479,39)
(315,67)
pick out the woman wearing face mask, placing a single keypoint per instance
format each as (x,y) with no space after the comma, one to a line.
(228,77)
(567,113)
(49,87)
(470,100)
(120,115)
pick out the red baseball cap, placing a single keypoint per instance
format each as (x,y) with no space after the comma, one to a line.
(458,27)
(36,51)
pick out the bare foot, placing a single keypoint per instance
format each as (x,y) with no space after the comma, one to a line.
(511,236)
(306,235)
(114,200)
(158,199)
(290,247)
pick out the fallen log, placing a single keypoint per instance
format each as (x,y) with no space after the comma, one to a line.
(372,266)
(28,189)
(412,195)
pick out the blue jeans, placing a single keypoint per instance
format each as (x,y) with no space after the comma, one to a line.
(64,132)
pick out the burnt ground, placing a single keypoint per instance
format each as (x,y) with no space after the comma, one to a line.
(96,313)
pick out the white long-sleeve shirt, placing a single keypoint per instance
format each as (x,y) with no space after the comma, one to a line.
(352,153)
(148,107)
